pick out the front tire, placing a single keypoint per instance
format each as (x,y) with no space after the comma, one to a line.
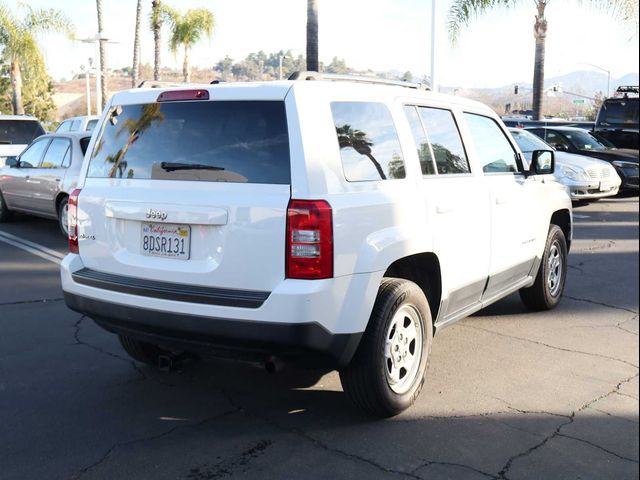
(547,290)
(5,213)
(388,370)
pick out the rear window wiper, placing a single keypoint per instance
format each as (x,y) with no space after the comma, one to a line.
(173,166)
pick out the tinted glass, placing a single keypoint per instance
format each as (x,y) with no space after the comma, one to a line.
(32,155)
(369,145)
(84,144)
(619,112)
(19,132)
(91,124)
(223,141)
(64,126)
(445,140)
(56,152)
(495,153)
(422,142)
(583,140)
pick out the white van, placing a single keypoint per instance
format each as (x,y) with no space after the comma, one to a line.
(317,219)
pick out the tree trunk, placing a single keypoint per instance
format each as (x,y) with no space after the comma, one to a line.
(313,63)
(540,34)
(377,165)
(185,66)
(104,91)
(16,84)
(136,46)
(157,40)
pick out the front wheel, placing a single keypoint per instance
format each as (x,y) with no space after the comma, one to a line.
(5,214)
(547,290)
(388,370)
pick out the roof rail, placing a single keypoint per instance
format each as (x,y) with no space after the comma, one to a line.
(160,84)
(333,77)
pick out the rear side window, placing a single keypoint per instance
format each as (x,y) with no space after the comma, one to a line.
(445,140)
(91,124)
(369,144)
(57,153)
(494,151)
(75,125)
(215,141)
(427,164)
(19,132)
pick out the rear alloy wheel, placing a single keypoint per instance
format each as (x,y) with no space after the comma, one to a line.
(547,290)
(63,216)
(388,370)
(5,214)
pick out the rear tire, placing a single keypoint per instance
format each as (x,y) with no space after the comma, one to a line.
(5,213)
(63,216)
(547,290)
(388,370)
(142,352)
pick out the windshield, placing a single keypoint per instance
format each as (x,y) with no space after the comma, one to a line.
(583,140)
(19,132)
(619,111)
(528,142)
(222,141)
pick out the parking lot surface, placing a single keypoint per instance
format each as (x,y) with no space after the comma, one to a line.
(509,393)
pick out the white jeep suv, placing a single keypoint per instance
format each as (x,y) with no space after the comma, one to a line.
(329,221)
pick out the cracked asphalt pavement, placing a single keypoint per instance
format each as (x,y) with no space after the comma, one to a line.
(509,395)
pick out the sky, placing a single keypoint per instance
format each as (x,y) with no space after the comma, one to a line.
(497,49)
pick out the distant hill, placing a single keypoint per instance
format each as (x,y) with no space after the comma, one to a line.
(589,81)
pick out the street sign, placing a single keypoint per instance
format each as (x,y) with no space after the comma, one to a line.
(579,101)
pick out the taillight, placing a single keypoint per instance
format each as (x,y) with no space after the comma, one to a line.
(178,95)
(309,252)
(73,221)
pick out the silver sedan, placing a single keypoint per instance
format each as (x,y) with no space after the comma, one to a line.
(40,179)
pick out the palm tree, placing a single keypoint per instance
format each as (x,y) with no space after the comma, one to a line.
(187,30)
(155,21)
(358,140)
(103,56)
(462,11)
(313,63)
(136,46)
(18,42)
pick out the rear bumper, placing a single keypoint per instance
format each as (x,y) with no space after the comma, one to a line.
(220,336)
(311,318)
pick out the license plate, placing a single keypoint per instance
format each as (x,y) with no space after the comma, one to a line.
(165,240)
(604,187)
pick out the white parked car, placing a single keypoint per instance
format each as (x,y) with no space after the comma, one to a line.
(588,179)
(325,220)
(16,132)
(84,123)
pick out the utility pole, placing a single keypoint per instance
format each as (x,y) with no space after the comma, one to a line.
(434,82)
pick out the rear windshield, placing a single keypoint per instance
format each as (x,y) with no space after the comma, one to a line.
(19,132)
(215,141)
(619,111)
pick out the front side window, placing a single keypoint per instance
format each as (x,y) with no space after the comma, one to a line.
(445,140)
(57,153)
(495,153)
(91,124)
(64,126)
(75,125)
(369,144)
(214,141)
(32,155)
(427,164)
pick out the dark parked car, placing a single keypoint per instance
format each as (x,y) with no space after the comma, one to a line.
(618,119)
(577,140)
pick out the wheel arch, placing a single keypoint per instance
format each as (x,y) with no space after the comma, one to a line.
(563,219)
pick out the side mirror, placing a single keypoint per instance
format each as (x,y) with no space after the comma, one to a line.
(543,162)
(12,162)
